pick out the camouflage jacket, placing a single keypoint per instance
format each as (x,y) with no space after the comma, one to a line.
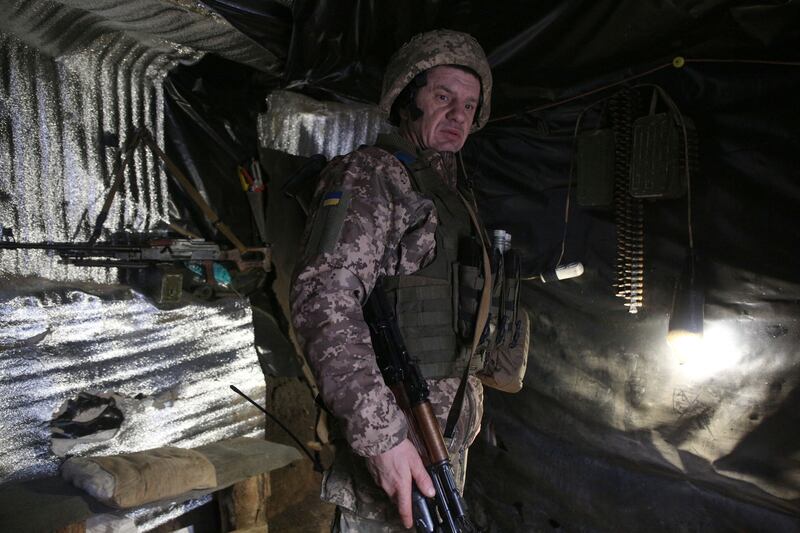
(369,222)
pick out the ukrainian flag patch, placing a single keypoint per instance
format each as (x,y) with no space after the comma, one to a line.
(326,229)
(332,198)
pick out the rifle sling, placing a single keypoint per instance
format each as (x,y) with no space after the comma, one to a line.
(119,174)
(480,323)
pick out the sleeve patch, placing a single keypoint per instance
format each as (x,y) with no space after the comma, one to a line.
(328,223)
(332,198)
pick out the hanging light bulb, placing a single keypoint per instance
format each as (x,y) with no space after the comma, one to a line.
(685,331)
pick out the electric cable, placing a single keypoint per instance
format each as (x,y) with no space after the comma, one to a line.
(315,459)
(571,175)
(687,163)
(677,62)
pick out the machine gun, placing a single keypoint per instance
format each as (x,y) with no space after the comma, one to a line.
(156,262)
(447,511)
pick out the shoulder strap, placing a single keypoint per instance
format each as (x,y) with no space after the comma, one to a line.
(480,324)
(486,292)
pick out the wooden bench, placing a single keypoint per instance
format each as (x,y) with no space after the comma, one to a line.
(52,504)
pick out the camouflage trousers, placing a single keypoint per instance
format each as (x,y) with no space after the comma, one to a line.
(379,515)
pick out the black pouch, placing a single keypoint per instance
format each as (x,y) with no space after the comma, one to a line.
(469,276)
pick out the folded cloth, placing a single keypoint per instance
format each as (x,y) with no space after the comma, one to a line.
(134,479)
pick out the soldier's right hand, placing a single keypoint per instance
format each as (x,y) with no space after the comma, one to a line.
(394,470)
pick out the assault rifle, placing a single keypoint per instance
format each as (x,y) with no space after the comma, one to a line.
(447,511)
(152,261)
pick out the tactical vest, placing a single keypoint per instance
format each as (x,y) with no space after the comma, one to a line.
(437,306)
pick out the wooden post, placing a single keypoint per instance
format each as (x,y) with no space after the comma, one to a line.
(243,506)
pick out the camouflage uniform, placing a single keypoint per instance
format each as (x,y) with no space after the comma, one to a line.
(388,229)
(370,222)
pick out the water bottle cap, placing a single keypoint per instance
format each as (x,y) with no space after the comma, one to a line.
(501,240)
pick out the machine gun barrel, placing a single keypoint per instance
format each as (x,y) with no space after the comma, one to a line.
(66,246)
(141,250)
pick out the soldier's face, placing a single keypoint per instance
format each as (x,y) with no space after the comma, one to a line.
(448,102)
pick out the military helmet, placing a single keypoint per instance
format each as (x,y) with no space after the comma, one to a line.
(431,49)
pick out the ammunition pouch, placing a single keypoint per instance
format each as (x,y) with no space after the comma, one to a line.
(508,335)
(437,307)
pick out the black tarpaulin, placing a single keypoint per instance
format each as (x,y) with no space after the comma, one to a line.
(613,431)
(210,113)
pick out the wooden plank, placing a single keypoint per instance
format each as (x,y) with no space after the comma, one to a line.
(47,504)
(242,457)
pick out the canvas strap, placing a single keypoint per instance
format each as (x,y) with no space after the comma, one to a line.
(480,322)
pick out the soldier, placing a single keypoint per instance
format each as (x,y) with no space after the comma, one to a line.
(399,210)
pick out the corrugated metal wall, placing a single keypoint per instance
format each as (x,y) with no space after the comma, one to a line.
(59,117)
(300,125)
(166,26)
(77,76)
